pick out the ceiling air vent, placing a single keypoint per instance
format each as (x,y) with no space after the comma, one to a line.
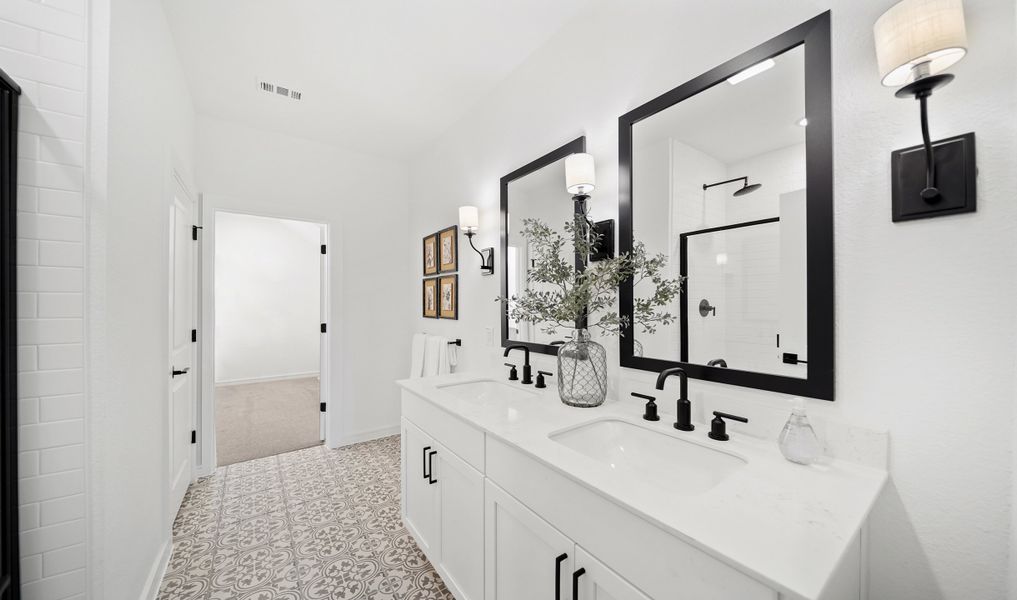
(279,90)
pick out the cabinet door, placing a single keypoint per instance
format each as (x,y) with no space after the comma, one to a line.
(525,556)
(595,581)
(461,524)
(421,494)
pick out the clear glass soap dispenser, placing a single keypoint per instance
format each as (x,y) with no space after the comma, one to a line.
(798,441)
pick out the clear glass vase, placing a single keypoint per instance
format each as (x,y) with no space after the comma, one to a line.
(582,371)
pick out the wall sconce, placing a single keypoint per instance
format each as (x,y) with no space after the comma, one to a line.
(580,176)
(469,223)
(916,40)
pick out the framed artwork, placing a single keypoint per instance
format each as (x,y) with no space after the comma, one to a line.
(431,254)
(448,297)
(448,249)
(429,300)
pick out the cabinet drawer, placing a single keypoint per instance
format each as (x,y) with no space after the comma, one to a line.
(656,562)
(466,441)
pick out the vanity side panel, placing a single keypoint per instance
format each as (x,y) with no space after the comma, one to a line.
(659,564)
(464,440)
(846,582)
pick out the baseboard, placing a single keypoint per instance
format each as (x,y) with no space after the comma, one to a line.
(267,379)
(158,570)
(366,436)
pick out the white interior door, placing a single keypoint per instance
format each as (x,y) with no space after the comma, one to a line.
(181,352)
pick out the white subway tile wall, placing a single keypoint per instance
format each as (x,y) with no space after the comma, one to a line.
(43,47)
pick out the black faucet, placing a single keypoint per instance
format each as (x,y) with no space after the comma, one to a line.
(527,375)
(684,421)
(717,362)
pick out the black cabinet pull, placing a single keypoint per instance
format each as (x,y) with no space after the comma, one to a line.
(575,583)
(557,575)
(426,474)
(430,467)
(176,371)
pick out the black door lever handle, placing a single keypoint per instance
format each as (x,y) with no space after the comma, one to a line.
(183,371)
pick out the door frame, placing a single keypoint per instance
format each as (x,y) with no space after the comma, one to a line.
(330,285)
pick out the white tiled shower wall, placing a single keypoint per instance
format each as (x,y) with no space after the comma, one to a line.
(42,46)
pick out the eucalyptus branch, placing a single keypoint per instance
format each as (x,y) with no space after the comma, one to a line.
(592,291)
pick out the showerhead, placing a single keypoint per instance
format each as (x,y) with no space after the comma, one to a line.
(747,189)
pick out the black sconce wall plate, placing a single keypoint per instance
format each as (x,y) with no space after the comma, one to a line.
(956,173)
(605,229)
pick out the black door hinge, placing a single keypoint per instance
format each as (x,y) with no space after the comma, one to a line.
(194,335)
(323,328)
(322,407)
(323,248)
(194,232)
(194,437)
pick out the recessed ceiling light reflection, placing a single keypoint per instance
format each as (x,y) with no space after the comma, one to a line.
(752,71)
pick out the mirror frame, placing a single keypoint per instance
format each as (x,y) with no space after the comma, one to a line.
(815,35)
(575,146)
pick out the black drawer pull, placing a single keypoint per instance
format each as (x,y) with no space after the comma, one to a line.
(557,575)
(575,583)
(430,467)
(426,474)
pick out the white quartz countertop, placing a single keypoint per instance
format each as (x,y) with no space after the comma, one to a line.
(783,524)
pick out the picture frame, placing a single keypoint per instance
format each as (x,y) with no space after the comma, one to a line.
(448,249)
(429,298)
(430,254)
(448,297)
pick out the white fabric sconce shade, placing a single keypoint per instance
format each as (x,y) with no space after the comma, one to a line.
(580,177)
(919,38)
(469,219)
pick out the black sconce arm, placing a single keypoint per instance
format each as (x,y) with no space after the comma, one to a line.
(486,256)
(930,192)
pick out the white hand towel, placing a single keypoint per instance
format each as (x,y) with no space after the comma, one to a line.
(453,357)
(431,349)
(417,355)
(443,358)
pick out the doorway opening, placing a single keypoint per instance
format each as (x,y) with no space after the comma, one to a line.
(269,279)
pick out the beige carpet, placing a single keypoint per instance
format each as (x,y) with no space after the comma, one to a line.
(255,420)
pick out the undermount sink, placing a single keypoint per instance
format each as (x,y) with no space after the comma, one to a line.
(486,391)
(664,460)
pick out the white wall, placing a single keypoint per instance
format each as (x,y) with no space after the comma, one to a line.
(363,200)
(909,358)
(267,293)
(43,48)
(149,132)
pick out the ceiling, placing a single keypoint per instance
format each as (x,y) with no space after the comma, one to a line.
(735,122)
(383,77)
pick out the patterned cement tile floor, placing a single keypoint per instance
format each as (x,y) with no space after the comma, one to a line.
(310,524)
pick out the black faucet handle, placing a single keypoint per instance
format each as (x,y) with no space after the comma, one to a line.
(651,407)
(513,374)
(718,427)
(540,378)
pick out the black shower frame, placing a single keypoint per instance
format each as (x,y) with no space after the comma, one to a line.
(814,34)
(683,270)
(10,579)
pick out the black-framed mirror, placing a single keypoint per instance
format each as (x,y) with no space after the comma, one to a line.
(730,177)
(535,190)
